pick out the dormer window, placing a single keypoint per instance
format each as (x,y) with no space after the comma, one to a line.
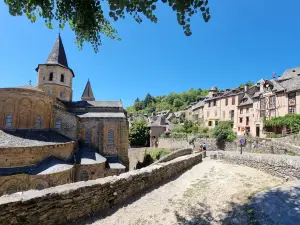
(62,78)
(294,71)
(51,77)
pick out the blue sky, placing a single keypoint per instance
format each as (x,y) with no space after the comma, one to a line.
(244,40)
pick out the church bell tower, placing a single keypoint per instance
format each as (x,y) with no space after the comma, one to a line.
(55,77)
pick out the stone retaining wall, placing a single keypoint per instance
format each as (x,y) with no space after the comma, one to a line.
(254,145)
(175,154)
(69,202)
(286,167)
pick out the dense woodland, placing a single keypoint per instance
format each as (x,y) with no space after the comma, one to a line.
(173,101)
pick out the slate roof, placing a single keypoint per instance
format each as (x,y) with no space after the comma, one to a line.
(87,155)
(290,73)
(103,115)
(30,87)
(246,100)
(88,93)
(111,104)
(198,105)
(276,86)
(114,163)
(47,166)
(27,138)
(291,84)
(179,113)
(58,54)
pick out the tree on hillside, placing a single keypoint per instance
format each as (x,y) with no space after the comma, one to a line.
(148,100)
(248,83)
(138,133)
(88,21)
(177,103)
(137,100)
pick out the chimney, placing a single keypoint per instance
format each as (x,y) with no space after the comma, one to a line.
(246,88)
(261,86)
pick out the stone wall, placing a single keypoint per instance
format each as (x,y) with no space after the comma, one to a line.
(75,173)
(99,128)
(26,156)
(27,108)
(175,154)
(254,145)
(72,201)
(69,123)
(286,167)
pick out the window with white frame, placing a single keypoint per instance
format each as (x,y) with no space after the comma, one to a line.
(110,137)
(8,121)
(38,122)
(58,123)
(272,103)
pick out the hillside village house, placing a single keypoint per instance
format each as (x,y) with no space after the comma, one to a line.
(248,107)
(47,139)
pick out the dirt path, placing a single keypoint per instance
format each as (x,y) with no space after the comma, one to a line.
(211,192)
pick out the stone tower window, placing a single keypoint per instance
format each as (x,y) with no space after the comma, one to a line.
(84,175)
(11,189)
(62,78)
(8,121)
(111,137)
(58,124)
(40,187)
(38,122)
(87,139)
(62,94)
(51,77)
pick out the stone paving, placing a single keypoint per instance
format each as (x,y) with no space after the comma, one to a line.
(211,192)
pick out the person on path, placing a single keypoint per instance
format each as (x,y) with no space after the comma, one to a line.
(204,150)
(201,148)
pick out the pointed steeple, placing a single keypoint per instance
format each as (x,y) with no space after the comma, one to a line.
(58,55)
(88,93)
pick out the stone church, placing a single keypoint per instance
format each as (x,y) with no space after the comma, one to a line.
(47,139)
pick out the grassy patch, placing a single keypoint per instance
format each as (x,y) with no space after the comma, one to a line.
(157,153)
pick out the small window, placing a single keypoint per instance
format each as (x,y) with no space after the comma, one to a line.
(209,123)
(62,78)
(241,119)
(241,111)
(292,110)
(11,189)
(40,187)
(38,122)
(216,123)
(58,124)
(62,94)
(226,101)
(84,175)
(110,137)
(8,121)
(49,92)
(51,77)
(215,102)
(87,139)
(233,100)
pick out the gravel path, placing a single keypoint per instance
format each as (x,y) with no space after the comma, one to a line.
(211,192)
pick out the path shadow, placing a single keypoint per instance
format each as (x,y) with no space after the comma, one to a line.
(108,212)
(276,206)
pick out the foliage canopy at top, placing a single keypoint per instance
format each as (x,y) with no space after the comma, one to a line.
(87,20)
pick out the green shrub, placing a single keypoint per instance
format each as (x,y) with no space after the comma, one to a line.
(138,133)
(291,121)
(273,135)
(223,132)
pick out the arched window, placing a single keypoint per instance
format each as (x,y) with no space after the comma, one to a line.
(87,139)
(38,122)
(84,175)
(62,78)
(51,76)
(111,137)
(8,121)
(40,187)
(58,123)
(12,189)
